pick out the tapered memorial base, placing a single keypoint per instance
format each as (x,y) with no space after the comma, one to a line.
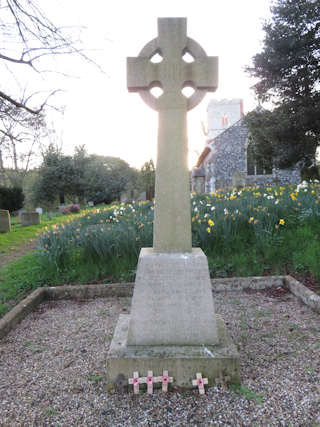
(172,325)
(182,362)
(172,302)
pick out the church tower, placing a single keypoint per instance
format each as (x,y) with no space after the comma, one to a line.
(223,114)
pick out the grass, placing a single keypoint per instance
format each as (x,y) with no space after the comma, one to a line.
(251,232)
(246,392)
(20,235)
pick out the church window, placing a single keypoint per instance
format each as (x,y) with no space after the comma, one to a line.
(224,121)
(255,165)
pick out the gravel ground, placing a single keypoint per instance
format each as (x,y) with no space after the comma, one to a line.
(52,369)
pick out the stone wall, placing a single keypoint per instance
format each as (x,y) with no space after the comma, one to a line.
(230,163)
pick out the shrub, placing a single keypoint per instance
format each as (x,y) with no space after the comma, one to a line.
(11,199)
(74,208)
(65,210)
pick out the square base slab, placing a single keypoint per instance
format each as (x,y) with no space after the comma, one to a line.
(182,362)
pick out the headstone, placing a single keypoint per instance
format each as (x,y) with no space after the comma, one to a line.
(212,184)
(220,184)
(5,223)
(39,210)
(172,314)
(142,197)
(238,179)
(90,204)
(125,197)
(198,179)
(30,218)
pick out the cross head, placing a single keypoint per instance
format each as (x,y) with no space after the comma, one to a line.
(172,74)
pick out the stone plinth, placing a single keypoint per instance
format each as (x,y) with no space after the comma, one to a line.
(182,362)
(172,325)
(5,223)
(172,302)
(30,218)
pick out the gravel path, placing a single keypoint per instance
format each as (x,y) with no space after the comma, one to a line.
(52,369)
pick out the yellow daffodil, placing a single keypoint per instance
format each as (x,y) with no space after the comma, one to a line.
(282,221)
(250,220)
(211,223)
(208,230)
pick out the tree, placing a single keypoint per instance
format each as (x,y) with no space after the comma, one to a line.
(28,37)
(96,178)
(56,177)
(20,134)
(288,69)
(106,178)
(147,178)
(29,41)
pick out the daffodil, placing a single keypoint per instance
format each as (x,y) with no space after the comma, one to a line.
(282,221)
(208,230)
(250,220)
(211,223)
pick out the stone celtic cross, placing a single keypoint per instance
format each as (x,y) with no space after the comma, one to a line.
(172,223)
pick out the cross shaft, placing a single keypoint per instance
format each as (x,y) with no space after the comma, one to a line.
(172,223)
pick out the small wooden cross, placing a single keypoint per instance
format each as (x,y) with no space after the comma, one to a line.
(165,380)
(200,383)
(223,381)
(149,380)
(135,381)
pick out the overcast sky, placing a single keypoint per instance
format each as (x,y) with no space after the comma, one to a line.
(100,112)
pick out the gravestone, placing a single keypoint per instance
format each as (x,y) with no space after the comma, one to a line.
(198,180)
(220,184)
(5,223)
(239,179)
(39,210)
(172,325)
(30,218)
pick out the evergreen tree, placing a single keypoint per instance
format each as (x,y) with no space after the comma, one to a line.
(288,69)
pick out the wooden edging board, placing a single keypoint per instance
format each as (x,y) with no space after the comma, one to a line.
(86,292)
